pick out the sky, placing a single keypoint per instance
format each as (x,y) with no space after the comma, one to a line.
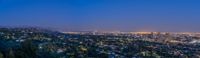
(104,15)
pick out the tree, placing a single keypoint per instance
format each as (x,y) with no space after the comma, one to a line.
(28,49)
(11,54)
(1,55)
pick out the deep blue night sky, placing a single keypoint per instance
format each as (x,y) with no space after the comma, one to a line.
(105,15)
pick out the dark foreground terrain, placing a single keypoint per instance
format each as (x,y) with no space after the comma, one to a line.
(41,43)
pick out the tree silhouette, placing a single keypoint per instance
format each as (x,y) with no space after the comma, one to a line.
(1,55)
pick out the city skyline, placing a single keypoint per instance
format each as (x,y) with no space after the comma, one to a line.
(103,15)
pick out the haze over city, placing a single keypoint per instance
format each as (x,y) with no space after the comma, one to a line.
(105,15)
